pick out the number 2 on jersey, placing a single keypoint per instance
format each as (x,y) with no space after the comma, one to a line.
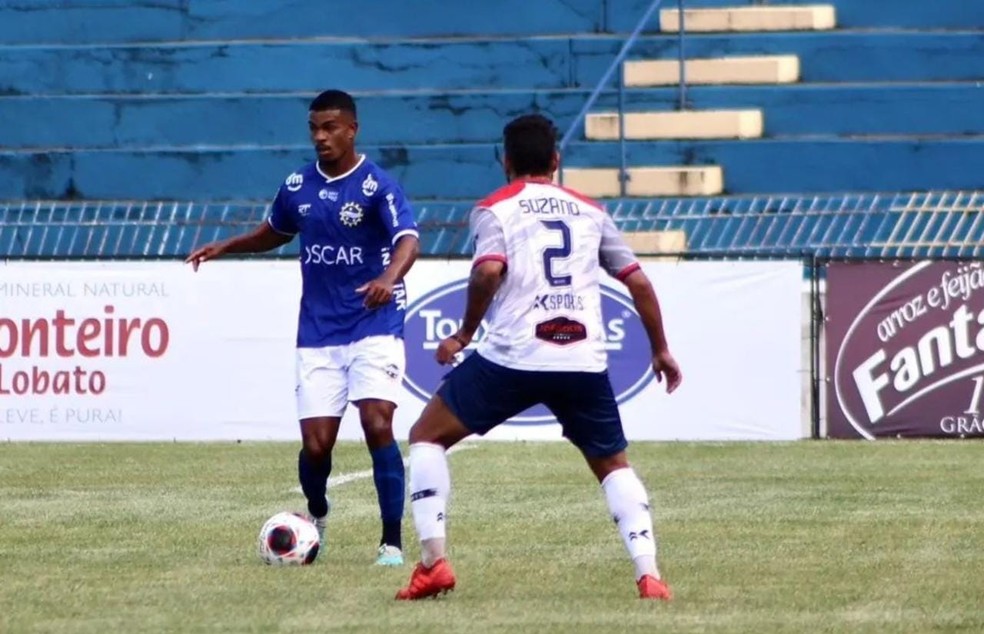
(557,253)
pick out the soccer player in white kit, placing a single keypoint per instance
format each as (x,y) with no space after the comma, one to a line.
(539,249)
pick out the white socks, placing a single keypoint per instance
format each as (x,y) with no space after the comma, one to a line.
(629,505)
(430,487)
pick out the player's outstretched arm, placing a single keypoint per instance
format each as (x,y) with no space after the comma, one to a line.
(262,238)
(647,305)
(379,292)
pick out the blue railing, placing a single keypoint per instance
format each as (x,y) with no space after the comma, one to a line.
(888,225)
(607,77)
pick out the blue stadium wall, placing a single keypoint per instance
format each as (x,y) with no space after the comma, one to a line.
(204,101)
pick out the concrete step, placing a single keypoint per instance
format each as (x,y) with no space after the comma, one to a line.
(868,14)
(652,244)
(688,124)
(647,181)
(818,17)
(756,69)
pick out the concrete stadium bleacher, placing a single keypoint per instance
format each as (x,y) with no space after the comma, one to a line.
(205,101)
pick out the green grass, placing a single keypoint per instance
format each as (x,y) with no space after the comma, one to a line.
(803,537)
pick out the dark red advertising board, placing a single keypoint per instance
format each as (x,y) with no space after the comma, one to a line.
(905,350)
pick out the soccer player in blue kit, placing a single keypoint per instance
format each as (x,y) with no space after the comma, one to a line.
(358,240)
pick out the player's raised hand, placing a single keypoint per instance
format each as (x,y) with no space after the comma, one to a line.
(378,293)
(665,365)
(205,253)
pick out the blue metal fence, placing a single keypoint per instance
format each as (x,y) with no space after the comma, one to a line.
(935,224)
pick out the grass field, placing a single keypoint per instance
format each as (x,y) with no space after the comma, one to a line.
(804,537)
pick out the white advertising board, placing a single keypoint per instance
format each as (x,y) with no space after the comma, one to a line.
(153,351)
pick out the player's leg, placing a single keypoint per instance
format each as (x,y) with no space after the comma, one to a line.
(437,430)
(321,401)
(318,436)
(476,397)
(374,378)
(388,474)
(588,413)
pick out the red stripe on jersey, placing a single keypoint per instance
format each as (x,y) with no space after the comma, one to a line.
(503,193)
(492,257)
(516,187)
(579,196)
(627,271)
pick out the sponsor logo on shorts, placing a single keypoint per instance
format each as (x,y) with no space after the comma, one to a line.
(437,315)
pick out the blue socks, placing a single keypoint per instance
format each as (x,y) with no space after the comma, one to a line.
(314,482)
(390,478)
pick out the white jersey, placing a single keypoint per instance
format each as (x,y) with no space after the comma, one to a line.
(546,315)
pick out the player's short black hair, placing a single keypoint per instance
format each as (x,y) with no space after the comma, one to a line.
(531,141)
(333,100)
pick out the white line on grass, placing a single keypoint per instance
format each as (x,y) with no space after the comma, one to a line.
(345,478)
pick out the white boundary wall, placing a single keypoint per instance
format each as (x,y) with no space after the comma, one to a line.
(210,356)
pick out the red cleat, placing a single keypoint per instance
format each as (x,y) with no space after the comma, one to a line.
(428,582)
(652,588)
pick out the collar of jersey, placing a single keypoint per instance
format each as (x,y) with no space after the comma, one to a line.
(541,180)
(331,179)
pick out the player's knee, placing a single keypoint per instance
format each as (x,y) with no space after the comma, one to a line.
(419,433)
(428,433)
(603,466)
(377,428)
(316,448)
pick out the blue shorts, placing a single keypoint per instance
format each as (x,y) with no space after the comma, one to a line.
(483,395)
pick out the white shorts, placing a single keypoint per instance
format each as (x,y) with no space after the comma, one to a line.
(329,378)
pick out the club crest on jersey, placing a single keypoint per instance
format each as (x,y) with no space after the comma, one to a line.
(303,210)
(369,186)
(351,214)
(294,182)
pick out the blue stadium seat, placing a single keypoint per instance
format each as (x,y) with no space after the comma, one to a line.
(199,101)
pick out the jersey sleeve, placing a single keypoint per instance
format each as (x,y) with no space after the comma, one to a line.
(616,257)
(282,219)
(487,236)
(395,211)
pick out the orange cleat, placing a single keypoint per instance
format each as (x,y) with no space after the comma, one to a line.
(652,588)
(428,582)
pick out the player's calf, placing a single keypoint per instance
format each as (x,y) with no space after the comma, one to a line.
(313,470)
(629,505)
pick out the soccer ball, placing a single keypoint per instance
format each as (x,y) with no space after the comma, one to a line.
(288,539)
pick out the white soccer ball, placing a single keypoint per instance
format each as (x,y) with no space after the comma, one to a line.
(288,539)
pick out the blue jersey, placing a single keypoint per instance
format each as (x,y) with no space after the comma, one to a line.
(347,224)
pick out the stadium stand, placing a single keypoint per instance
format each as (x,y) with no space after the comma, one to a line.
(203,102)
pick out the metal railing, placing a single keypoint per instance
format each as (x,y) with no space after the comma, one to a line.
(606,79)
(869,225)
